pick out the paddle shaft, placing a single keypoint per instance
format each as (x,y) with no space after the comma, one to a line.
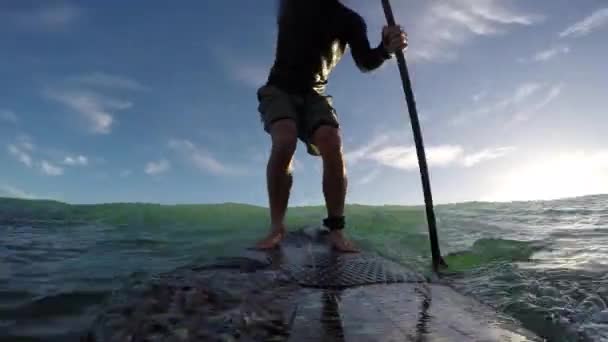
(424,172)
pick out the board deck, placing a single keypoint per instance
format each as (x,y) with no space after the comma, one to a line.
(363,297)
(300,292)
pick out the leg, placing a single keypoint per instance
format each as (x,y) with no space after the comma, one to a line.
(279,116)
(279,179)
(327,139)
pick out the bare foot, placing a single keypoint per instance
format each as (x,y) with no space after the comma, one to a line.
(340,243)
(272,240)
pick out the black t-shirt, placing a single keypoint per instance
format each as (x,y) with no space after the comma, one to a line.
(313,37)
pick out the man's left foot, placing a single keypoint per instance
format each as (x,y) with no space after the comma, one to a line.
(273,239)
(340,243)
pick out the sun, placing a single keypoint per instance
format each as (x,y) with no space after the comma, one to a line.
(559,176)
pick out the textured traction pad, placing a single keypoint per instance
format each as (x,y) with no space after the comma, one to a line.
(324,270)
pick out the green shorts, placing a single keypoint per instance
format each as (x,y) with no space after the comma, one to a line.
(309,111)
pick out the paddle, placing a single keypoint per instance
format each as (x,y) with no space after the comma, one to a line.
(424,172)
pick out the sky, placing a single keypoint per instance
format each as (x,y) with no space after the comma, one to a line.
(155,101)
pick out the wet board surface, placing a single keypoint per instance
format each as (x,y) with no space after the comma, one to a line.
(300,292)
(305,256)
(364,297)
(399,312)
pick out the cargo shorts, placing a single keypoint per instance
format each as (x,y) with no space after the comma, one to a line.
(309,111)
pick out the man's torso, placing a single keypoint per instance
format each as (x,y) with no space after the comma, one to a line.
(313,36)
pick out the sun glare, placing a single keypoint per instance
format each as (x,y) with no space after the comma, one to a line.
(566,175)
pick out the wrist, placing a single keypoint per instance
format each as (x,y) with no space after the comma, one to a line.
(384,51)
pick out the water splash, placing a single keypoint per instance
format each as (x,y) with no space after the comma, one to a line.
(541,262)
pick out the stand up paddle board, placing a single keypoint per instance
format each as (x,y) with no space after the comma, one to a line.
(302,291)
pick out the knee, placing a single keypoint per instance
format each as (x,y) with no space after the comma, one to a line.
(328,141)
(284,137)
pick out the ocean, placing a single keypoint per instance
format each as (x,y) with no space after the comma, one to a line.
(543,262)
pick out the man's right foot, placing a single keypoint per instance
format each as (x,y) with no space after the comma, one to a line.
(340,243)
(271,241)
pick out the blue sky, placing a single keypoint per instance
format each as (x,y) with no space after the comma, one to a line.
(106,101)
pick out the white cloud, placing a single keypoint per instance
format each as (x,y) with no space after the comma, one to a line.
(550,95)
(11,191)
(8,116)
(48,17)
(593,22)
(50,169)
(517,98)
(157,168)
(521,93)
(362,152)
(25,142)
(200,158)
(248,71)
(20,153)
(95,108)
(404,157)
(383,150)
(438,28)
(370,177)
(546,55)
(76,160)
(249,74)
(101,79)
(486,155)
(24,150)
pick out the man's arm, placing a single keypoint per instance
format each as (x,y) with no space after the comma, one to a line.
(366,57)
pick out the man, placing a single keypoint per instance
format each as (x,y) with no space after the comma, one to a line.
(312,38)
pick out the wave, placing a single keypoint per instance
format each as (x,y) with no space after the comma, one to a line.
(574,211)
(18,211)
(487,250)
(59,304)
(486,243)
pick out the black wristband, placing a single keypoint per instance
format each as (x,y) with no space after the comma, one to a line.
(334,223)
